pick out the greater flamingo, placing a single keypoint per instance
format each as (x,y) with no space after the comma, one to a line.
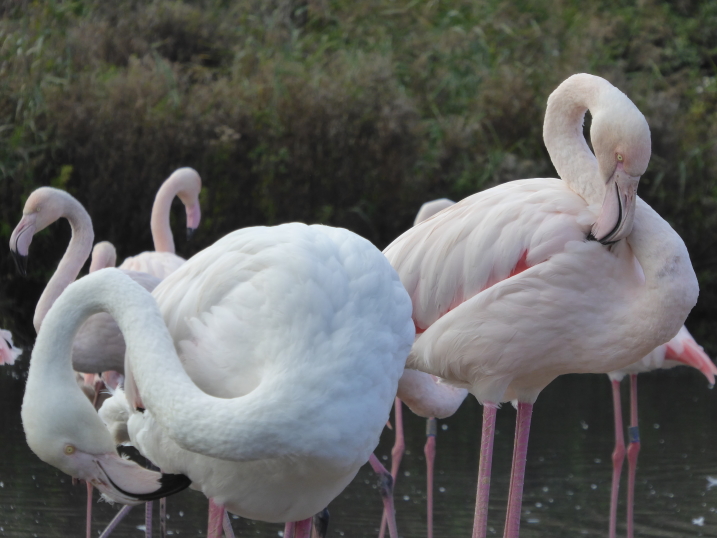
(186,184)
(535,278)
(307,328)
(8,352)
(426,397)
(681,350)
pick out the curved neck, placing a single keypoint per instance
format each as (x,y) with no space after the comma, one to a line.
(671,287)
(235,429)
(74,258)
(563,134)
(185,183)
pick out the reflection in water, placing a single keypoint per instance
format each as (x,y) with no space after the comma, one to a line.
(567,480)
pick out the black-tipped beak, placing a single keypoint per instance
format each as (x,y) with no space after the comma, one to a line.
(170,484)
(20,262)
(190,233)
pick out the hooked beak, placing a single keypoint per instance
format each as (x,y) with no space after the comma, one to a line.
(194,215)
(190,233)
(126,482)
(618,208)
(691,353)
(20,242)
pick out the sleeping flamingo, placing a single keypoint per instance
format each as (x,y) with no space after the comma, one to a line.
(535,278)
(682,349)
(308,329)
(186,184)
(427,397)
(8,352)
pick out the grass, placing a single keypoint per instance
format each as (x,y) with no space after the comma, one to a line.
(346,113)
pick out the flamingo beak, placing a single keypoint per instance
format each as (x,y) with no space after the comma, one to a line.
(692,354)
(20,242)
(194,215)
(618,208)
(124,481)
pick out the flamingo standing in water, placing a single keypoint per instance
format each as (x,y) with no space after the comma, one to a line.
(307,329)
(186,184)
(681,350)
(8,352)
(427,397)
(535,278)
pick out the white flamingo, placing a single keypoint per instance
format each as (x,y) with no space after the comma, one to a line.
(535,278)
(8,352)
(186,184)
(681,350)
(307,328)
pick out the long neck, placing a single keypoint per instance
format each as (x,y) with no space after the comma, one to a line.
(563,134)
(671,287)
(235,429)
(75,256)
(161,231)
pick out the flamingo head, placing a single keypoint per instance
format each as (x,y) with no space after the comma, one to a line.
(8,352)
(621,139)
(683,349)
(43,207)
(64,430)
(188,185)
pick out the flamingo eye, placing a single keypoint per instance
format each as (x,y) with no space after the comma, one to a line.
(620,157)
(69,450)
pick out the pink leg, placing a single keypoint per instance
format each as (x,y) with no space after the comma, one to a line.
(399,447)
(517,475)
(148,519)
(386,494)
(632,451)
(480,521)
(115,521)
(227,524)
(88,521)
(430,451)
(618,456)
(289,529)
(216,518)
(303,528)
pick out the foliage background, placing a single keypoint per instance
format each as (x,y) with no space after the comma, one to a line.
(345,113)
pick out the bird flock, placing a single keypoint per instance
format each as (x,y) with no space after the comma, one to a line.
(262,371)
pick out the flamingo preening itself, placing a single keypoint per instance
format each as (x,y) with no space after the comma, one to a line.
(535,278)
(681,350)
(266,366)
(8,352)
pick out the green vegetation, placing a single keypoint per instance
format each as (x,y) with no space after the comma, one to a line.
(346,113)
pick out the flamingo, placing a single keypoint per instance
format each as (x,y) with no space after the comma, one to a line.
(8,352)
(186,184)
(308,327)
(535,278)
(681,350)
(426,397)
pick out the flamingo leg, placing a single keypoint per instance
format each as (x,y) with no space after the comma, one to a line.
(115,521)
(321,524)
(289,529)
(163,517)
(517,475)
(386,486)
(148,519)
(632,451)
(480,521)
(399,447)
(430,451)
(216,518)
(88,520)
(227,524)
(618,456)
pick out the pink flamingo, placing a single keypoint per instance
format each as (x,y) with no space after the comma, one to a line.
(535,278)
(681,350)
(426,397)
(8,352)
(186,184)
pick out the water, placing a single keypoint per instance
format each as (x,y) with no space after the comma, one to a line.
(567,485)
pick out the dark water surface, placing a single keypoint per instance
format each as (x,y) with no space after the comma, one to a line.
(567,483)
